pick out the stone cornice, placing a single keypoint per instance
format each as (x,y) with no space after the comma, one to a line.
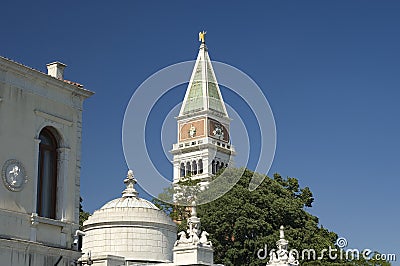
(35,74)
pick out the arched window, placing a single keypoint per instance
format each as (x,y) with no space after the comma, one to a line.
(194,168)
(188,168)
(222,165)
(182,170)
(47,175)
(200,166)
(217,166)
(213,170)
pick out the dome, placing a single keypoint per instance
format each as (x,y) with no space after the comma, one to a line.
(129,202)
(130,227)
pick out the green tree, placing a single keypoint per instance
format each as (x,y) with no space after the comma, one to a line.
(83,215)
(242,221)
(183,191)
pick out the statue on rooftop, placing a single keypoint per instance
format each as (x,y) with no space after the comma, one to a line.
(193,234)
(282,256)
(202,36)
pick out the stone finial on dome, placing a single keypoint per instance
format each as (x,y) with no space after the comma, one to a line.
(130,182)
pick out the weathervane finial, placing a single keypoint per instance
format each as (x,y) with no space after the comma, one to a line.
(202,36)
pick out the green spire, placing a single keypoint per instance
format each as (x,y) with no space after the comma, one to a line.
(203,93)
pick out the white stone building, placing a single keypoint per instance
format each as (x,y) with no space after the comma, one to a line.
(40,153)
(132,231)
(128,229)
(40,140)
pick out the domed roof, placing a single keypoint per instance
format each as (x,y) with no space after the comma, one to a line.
(128,202)
(129,197)
(130,227)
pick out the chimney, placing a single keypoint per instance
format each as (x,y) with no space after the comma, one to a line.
(56,70)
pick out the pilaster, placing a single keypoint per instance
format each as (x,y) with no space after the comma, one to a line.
(63,187)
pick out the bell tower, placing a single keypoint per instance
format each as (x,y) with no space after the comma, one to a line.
(203,146)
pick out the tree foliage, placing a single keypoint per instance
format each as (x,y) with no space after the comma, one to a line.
(83,215)
(241,222)
(183,196)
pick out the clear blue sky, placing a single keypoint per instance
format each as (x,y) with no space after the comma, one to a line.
(330,70)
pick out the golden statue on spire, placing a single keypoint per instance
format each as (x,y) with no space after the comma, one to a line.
(202,36)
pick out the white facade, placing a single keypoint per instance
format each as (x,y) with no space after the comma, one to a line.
(31,101)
